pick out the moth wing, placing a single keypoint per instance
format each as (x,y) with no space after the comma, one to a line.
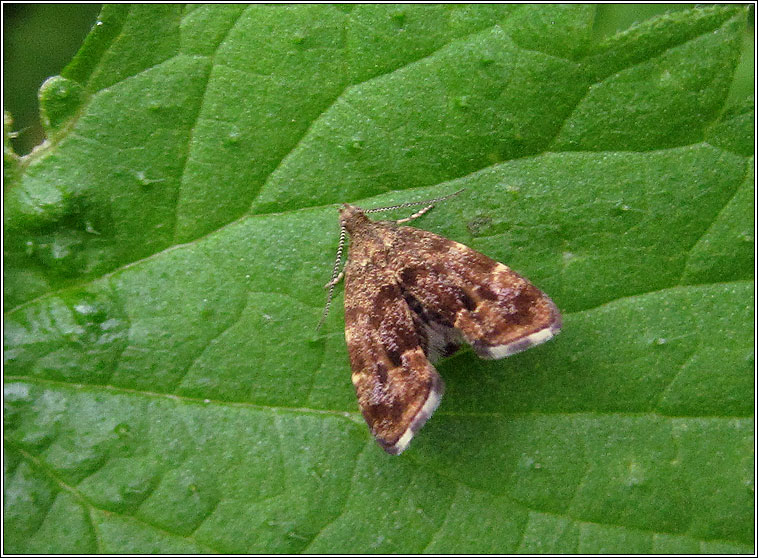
(397,387)
(441,338)
(496,310)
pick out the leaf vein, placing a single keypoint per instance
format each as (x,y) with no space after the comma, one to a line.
(119,390)
(714,222)
(177,200)
(344,509)
(46,470)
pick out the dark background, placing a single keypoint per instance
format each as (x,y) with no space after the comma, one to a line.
(38,41)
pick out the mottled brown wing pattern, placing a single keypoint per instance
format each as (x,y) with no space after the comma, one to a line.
(412,296)
(398,389)
(498,312)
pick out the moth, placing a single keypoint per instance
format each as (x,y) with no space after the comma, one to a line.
(412,297)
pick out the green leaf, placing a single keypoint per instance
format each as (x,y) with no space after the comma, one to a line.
(165,390)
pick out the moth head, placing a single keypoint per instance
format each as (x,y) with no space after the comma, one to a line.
(351,217)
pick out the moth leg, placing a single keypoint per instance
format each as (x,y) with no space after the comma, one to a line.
(415,215)
(336,280)
(335,276)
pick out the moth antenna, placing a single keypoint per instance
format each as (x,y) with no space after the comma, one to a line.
(335,273)
(430,203)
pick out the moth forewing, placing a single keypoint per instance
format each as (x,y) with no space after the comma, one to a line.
(412,296)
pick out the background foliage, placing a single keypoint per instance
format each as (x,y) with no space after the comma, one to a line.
(165,390)
(38,41)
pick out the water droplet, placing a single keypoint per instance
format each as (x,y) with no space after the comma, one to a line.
(665,77)
(461,102)
(356,143)
(60,250)
(635,475)
(84,308)
(111,324)
(619,208)
(233,137)
(15,392)
(296,535)
(409,151)
(89,228)
(122,429)
(299,37)
(143,179)
(478,224)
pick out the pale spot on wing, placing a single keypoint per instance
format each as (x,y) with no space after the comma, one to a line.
(522,344)
(430,405)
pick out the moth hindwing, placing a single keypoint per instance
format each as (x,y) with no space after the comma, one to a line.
(412,296)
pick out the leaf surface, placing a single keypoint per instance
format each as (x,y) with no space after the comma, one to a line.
(165,391)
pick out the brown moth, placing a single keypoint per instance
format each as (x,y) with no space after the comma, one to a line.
(411,297)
